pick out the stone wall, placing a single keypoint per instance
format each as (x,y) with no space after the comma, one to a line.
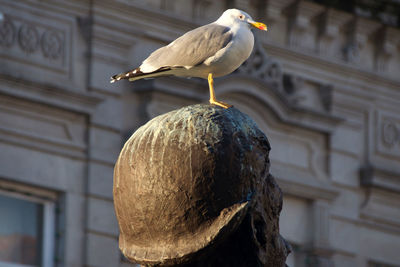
(322,84)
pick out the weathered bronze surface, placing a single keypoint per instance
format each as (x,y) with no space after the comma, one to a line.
(192,188)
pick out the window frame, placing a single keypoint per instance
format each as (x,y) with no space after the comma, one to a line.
(48,200)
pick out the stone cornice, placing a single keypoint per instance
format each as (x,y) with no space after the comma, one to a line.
(72,7)
(146,19)
(334,69)
(307,189)
(76,101)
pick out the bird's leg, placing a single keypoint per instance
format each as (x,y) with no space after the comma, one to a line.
(213,100)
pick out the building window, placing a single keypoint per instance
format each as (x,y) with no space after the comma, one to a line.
(27,225)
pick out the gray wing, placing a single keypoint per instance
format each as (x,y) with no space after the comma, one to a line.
(192,48)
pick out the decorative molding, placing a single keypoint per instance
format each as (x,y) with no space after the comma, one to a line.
(357,33)
(329,24)
(311,184)
(346,75)
(261,66)
(385,47)
(317,97)
(7,32)
(74,101)
(268,69)
(292,84)
(300,15)
(388,134)
(27,40)
(351,47)
(42,127)
(52,44)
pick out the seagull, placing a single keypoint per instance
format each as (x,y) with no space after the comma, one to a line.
(212,50)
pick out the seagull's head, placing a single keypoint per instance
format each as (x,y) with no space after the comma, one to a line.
(238,17)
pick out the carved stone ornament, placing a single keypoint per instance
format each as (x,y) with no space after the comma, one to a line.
(390,133)
(7,32)
(52,44)
(192,188)
(351,52)
(28,38)
(262,66)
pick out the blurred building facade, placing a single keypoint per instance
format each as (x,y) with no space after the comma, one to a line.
(323,84)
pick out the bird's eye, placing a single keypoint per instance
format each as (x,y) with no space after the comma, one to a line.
(241,17)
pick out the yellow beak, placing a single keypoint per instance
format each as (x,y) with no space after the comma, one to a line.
(259,25)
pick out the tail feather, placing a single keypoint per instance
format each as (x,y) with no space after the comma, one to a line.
(137,74)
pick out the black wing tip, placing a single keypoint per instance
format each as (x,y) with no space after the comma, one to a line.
(126,75)
(115,78)
(137,73)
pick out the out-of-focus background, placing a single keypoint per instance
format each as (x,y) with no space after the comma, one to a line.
(323,84)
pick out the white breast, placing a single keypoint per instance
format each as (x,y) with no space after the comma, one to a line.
(234,54)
